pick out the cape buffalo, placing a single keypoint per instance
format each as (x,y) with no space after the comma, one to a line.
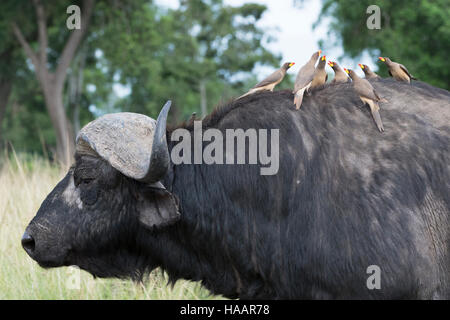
(351,213)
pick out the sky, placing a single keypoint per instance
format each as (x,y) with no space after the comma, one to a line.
(291,26)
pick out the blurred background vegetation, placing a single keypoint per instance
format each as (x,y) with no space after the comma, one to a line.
(135,55)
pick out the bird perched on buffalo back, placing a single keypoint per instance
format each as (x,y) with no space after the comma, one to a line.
(271,81)
(304,78)
(369,73)
(368,95)
(320,75)
(192,118)
(339,75)
(397,70)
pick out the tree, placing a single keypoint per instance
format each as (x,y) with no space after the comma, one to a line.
(226,41)
(52,81)
(10,64)
(156,53)
(5,87)
(413,32)
(186,54)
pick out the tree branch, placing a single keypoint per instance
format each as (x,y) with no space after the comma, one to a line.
(73,42)
(26,47)
(42,32)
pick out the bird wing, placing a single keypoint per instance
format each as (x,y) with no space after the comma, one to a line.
(274,77)
(376,95)
(365,89)
(405,71)
(304,77)
(302,82)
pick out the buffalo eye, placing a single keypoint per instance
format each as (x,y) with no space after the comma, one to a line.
(89,191)
(87,180)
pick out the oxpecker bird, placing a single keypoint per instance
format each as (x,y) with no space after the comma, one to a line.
(369,73)
(271,81)
(304,78)
(339,75)
(368,95)
(320,75)
(397,70)
(193,117)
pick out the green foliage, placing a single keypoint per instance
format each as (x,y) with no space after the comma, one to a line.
(27,125)
(163,55)
(157,53)
(415,33)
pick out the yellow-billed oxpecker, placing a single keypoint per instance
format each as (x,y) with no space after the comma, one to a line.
(397,70)
(304,78)
(320,75)
(368,95)
(271,81)
(339,75)
(368,73)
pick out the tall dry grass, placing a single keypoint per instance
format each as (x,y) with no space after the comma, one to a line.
(24,183)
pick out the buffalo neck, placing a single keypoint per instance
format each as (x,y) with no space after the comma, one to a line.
(194,248)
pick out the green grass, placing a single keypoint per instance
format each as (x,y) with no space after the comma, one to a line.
(24,183)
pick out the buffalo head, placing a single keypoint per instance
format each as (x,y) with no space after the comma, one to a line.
(110,196)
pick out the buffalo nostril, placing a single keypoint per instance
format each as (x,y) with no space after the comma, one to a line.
(28,242)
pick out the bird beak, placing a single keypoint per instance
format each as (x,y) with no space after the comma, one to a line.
(323,58)
(361,66)
(330,63)
(346,70)
(291,64)
(382,59)
(320,52)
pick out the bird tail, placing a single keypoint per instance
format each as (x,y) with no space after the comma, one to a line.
(246,94)
(375,110)
(298,98)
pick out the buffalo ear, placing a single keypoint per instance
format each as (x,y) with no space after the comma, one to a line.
(157,207)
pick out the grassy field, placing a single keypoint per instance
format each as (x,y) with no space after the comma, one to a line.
(24,183)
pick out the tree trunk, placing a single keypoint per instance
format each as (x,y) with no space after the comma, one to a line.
(76,118)
(5,91)
(75,87)
(52,84)
(65,143)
